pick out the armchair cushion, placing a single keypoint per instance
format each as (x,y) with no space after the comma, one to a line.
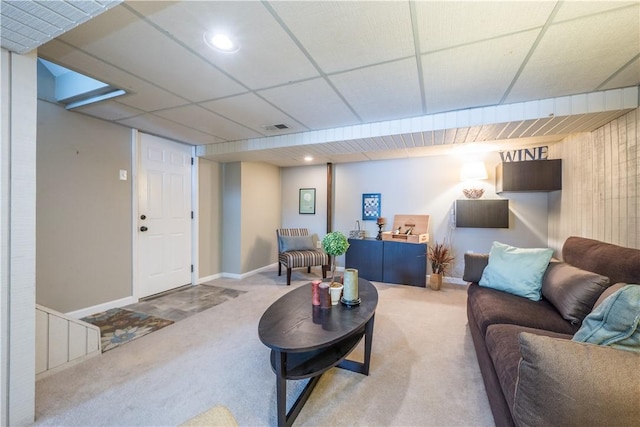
(296,243)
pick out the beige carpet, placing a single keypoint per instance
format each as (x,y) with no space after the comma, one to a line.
(218,416)
(423,369)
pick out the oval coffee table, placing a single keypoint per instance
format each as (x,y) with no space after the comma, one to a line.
(306,340)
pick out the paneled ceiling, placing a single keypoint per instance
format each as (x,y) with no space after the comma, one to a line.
(353,80)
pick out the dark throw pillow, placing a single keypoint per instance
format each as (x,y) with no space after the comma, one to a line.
(571,290)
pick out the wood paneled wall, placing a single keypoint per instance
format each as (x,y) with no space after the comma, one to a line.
(600,197)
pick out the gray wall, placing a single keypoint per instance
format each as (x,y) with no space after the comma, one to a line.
(600,195)
(261,207)
(83,210)
(427,186)
(251,214)
(209,218)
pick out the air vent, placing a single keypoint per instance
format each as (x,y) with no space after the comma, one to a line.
(276,127)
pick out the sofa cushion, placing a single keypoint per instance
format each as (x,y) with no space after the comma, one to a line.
(607,292)
(518,271)
(491,307)
(553,387)
(571,290)
(296,243)
(618,263)
(615,322)
(474,265)
(503,346)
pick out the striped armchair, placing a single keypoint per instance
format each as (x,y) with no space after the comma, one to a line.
(296,248)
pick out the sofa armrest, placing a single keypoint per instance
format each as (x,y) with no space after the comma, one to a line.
(474,265)
(562,382)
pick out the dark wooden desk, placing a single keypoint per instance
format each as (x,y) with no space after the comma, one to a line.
(306,340)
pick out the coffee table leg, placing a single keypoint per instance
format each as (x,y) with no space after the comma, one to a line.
(281,387)
(368,338)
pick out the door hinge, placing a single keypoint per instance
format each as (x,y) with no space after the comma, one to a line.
(192,161)
(192,268)
(191,214)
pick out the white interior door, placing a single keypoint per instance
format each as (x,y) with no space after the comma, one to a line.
(164,215)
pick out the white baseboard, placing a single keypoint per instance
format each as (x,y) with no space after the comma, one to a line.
(78,314)
(249,273)
(209,278)
(453,280)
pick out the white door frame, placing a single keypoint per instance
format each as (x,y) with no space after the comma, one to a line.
(135,279)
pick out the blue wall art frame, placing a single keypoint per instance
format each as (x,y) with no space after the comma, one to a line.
(371,206)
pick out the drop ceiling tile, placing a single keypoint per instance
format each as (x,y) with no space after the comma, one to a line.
(345,35)
(578,9)
(109,110)
(267,56)
(147,54)
(140,93)
(578,56)
(383,92)
(463,77)
(313,103)
(253,111)
(158,126)
(627,77)
(445,24)
(205,121)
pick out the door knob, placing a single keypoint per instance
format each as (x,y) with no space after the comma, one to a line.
(143,228)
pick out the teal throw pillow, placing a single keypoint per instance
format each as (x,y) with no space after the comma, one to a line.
(518,271)
(296,243)
(615,322)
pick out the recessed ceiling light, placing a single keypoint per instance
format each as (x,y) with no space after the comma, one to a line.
(221,42)
(308,158)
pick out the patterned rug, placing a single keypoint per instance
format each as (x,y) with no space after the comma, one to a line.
(118,326)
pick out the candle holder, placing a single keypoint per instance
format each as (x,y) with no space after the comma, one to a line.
(380,221)
(350,296)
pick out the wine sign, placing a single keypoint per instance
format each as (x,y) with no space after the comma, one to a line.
(523,154)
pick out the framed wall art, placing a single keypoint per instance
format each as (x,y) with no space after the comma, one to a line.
(307,201)
(370,206)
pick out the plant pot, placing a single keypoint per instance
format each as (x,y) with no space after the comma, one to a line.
(435,281)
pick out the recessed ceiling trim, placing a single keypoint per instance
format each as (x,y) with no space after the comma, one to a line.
(493,119)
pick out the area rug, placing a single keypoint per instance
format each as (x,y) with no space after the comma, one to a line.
(119,326)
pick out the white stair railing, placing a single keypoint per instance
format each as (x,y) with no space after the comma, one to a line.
(62,341)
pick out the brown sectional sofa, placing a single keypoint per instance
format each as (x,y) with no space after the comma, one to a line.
(560,382)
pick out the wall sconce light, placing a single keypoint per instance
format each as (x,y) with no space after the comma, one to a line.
(471,173)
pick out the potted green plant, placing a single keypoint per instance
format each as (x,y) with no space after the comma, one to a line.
(440,257)
(334,244)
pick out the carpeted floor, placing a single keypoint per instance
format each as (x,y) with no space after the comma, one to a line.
(423,368)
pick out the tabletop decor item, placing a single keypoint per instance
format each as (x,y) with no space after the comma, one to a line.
(315,292)
(358,233)
(334,244)
(380,222)
(325,298)
(335,291)
(440,257)
(350,292)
